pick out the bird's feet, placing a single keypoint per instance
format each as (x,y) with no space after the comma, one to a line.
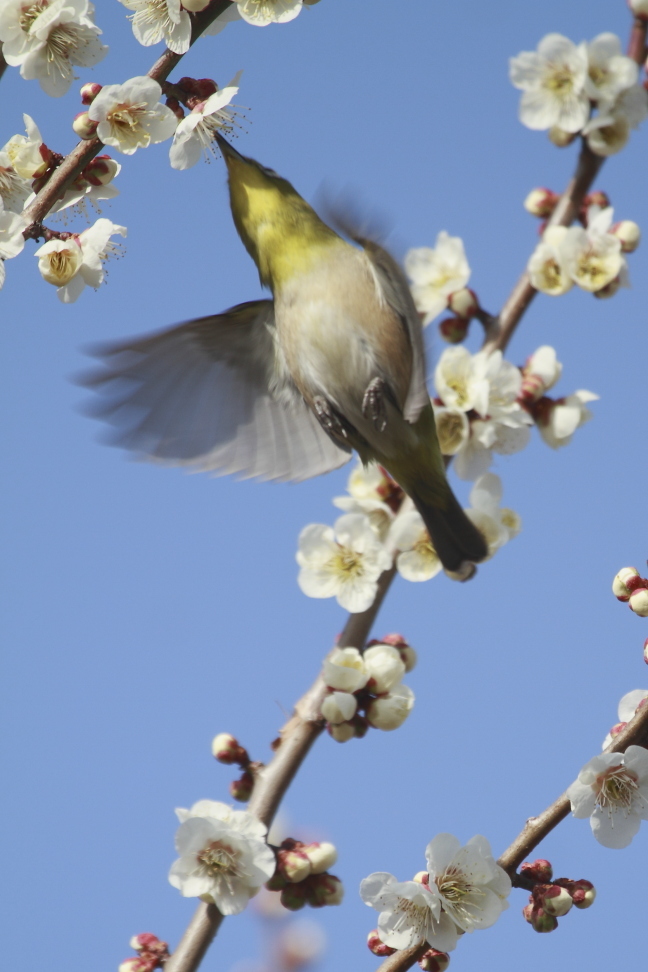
(373,403)
(331,420)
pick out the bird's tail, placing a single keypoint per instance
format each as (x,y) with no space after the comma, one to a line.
(454,536)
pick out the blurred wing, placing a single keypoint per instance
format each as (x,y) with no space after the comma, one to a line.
(212,395)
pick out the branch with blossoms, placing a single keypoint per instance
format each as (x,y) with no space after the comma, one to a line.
(484,405)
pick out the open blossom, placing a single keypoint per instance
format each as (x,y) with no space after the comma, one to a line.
(343,562)
(453,429)
(260,13)
(558,420)
(344,669)
(130,115)
(609,71)
(417,559)
(71,264)
(14,189)
(472,887)
(410,912)
(26,154)
(612,790)
(194,135)
(436,274)
(372,492)
(497,524)
(608,132)
(161,20)
(12,240)
(548,271)
(223,855)
(553,81)
(629,705)
(593,256)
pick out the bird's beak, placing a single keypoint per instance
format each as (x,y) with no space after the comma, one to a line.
(229,153)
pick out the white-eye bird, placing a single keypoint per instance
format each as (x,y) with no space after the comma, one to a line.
(285,389)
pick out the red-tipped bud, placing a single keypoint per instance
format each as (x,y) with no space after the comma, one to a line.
(293,896)
(621,584)
(294,865)
(322,856)
(533,387)
(556,901)
(101,170)
(597,198)
(187,84)
(629,234)
(583,894)
(639,602)
(408,654)
(89,92)
(241,789)
(175,107)
(145,940)
(619,727)
(434,961)
(540,870)
(454,329)
(464,303)
(541,202)
(132,964)
(204,87)
(561,138)
(84,126)
(227,749)
(378,947)
(542,922)
(324,889)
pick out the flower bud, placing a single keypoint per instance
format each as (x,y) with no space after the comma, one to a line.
(101,170)
(454,329)
(619,727)
(434,961)
(342,732)
(384,666)
(132,964)
(175,107)
(377,946)
(639,8)
(541,202)
(145,940)
(421,877)
(540,870)
(84,126)
(542,922)
(561,138)
(629,234)
(293,896)
(204,87)
(463,303)
(583,894)
(345,670)
(195,5)
(187,84)
(556,901)
(89,92)
(294,865)
(322,856)
(226,749)
(408,654)
(620,587)
(241,789)
(324,889)
(609,290)
(597,198)
(527,913)
(639,602)
(339,707)
(390,711)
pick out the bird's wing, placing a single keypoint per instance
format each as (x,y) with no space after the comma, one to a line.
(399,298)
(212,395)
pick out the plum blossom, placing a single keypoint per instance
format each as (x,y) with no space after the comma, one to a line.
(160,20)
(130,115)
(553,81)
(497,524)
(14,189)
(609,71)
(260,13)
(26,154)
(72,263)
(384,667)
(339,707)
(344,561)
(453,429)
(558,420)
(410,912)
(612,790)
(473,889)
(389,711)
(436,273)
(372,492)
(93,185)
(194,135)
(593,256)
(609,131)
(12,240)
(547,266)
(629,705)
(344,669)
(417,559)
(223,855)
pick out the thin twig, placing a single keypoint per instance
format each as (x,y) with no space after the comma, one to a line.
(86,150)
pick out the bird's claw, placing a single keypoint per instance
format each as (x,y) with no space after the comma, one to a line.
(373,403)
(329,419)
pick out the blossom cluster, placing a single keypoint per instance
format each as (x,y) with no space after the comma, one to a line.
(47,39)
(552,899)
(151,954)
(630,587)
(462,890)
(369,682)
(563,83)
(302,875)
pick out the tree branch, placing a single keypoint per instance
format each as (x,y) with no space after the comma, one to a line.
(86,150)
(3,64)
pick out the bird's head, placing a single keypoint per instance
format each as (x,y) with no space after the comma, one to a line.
(276,225)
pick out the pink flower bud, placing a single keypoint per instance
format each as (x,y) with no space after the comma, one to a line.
(133,964)
(541,202)
(434,961)
(540,870)
(533,387)
(294,865)
(227,749)
(322,856)
(454,329)
(293,896)
(89,92)
(542,922)
(561,138)
(84,126)
(556,901)
(583,893)
(620,587)
(629,234)
(101,170)
(619,727)
(639,602)
(377,946)
(342,732)
(324,889)
(527,913)
(241,789)
(463,303)
(145,940)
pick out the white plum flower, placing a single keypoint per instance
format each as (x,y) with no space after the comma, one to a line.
(472,887)
(372,492)
(629,705)
(160,20)
(72,263)
(130,115)
(547,264)
(552,80)
(593,256)
(26,154)
(384,667)
(612,790)
(609,71)
(410,912)
(344,669)
(194,135)
(460,380)
(339,707)
(12,240)
(389,711)
(260,13)
(609,131)
(453,429)
(497,524)
(344,561)
(223,855)
(558,422)
(14,189)
(417,559)
(437,273)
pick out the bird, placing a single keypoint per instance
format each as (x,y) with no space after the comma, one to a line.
(287,388)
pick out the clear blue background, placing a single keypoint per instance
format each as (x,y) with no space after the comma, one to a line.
(146,610)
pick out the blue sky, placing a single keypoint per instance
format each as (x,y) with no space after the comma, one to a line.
(145,610)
